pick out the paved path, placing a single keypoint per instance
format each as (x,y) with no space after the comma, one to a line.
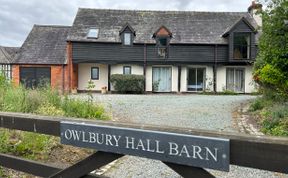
(193,111)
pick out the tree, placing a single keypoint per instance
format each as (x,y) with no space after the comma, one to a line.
(271,66)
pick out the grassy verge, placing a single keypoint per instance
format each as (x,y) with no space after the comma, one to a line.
(272,113)
(42,101)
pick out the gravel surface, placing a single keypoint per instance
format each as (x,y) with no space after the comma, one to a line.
(186,110)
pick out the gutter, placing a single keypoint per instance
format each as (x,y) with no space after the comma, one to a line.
(215,69)
(63,78)
(145,64)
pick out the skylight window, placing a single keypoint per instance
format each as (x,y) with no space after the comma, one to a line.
(93,33)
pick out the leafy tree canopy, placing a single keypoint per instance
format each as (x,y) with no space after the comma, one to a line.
(271,67)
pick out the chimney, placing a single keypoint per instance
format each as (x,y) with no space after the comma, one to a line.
(255,10)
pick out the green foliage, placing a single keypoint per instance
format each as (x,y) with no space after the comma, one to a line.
(275,120)
(82,109)
(228,92)
(25,144)
(260,103)
(48,109)
(271,67)
(273,115)
(90,87)
(4,138)
(2,174)
(155,85)
(44,101)
(128,83)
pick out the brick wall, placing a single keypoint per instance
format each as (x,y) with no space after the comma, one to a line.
(63,77)
(57,75)
(72,68)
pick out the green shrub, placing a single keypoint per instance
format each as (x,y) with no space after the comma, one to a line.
(128,83)
(275,120)
(83,109)
(258,104)
(47,109)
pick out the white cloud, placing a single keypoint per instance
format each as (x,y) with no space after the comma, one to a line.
(18,16)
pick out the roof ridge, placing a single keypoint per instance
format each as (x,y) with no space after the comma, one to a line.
(54,26)
(175,11)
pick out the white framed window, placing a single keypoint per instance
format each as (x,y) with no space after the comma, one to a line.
(241,46)
(127,38)
(6,70)
(93,33)
(95,73)
(127,70)
(235,79)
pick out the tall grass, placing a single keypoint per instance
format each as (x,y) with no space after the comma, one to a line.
(46,101)
(42,101)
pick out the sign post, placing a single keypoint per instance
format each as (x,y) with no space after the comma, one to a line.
(197,151)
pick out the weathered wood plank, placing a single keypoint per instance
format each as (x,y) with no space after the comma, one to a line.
(31,123)
(87,165)
(262,152)
(31,167)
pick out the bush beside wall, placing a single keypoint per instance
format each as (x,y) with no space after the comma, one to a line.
(128,83)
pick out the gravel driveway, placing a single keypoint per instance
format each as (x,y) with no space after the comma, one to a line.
(213,112)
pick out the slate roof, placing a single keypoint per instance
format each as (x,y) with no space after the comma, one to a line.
(44,45)
(186,26)
(7,54)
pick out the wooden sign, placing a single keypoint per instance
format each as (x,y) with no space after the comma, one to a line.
(198,151)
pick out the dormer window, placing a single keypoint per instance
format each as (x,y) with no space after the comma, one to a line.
(127,38)
(162,37)
(162,44)
(127,35)
(93,33)
(241,46)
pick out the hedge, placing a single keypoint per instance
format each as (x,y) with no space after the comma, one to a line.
(128,83)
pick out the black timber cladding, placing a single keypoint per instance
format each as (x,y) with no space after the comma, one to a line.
(104,52)
(118,53)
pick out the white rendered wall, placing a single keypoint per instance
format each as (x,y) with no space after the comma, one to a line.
(118,69)
(84,75)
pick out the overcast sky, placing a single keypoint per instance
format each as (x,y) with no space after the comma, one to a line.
(17,17)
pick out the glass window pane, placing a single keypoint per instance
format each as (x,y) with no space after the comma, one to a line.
(163,41)
(127,70)
(239,80)
(93,33)
(235,80)
(192,79)
(200,79)
(241,46)
(230,79)
(95,73)
(127,38)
